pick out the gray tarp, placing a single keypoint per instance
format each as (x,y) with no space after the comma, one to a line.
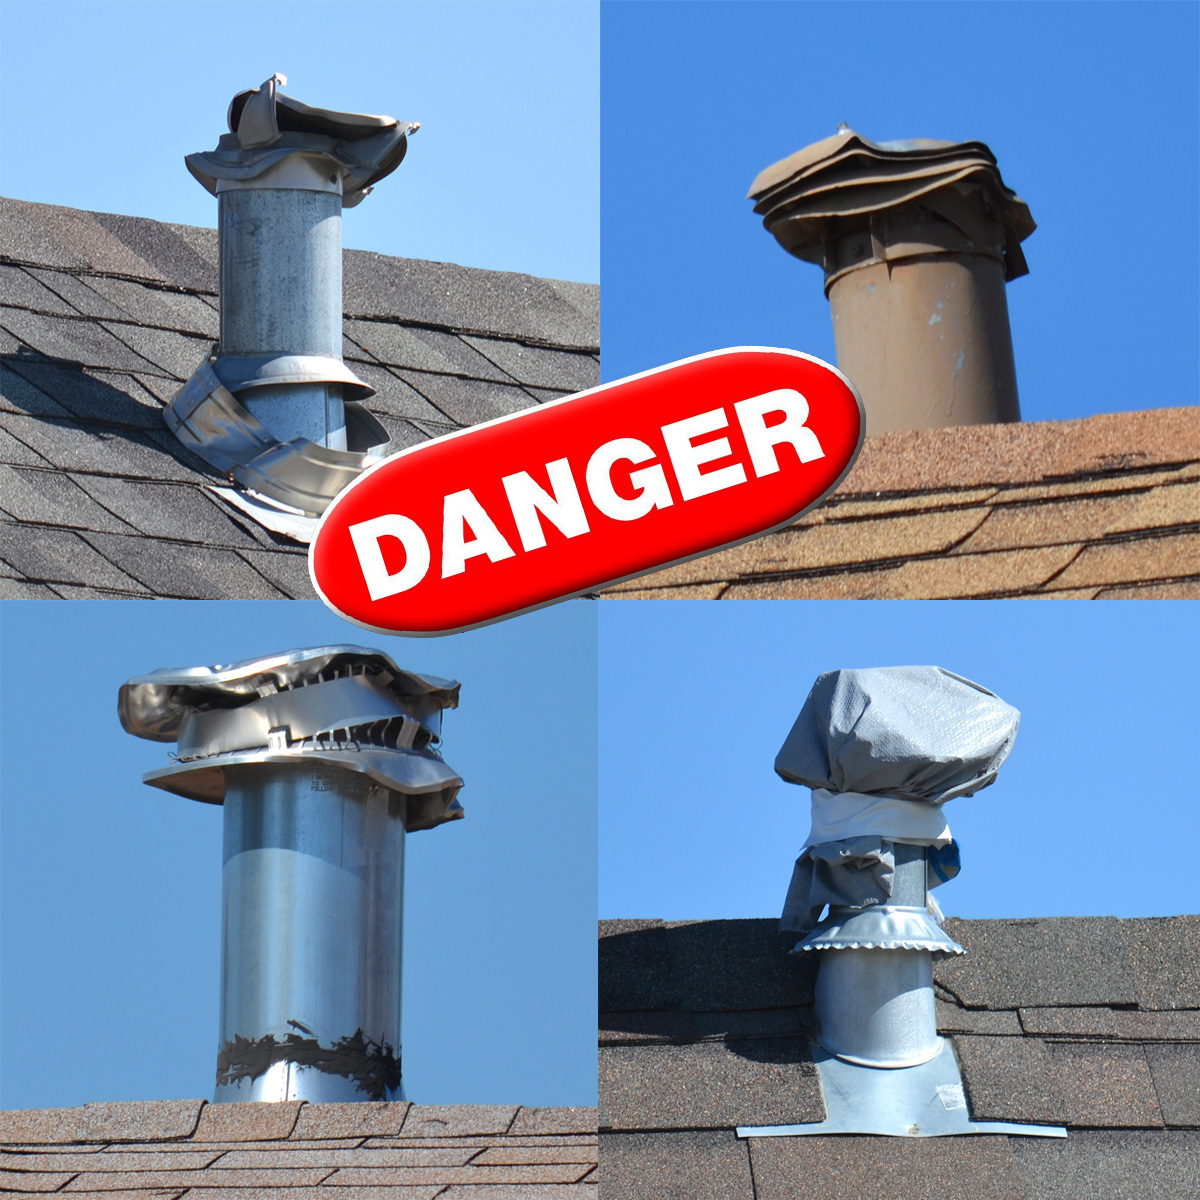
(915,735)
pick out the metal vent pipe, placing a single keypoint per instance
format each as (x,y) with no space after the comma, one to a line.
(917,240)
(322,760)
(276,409)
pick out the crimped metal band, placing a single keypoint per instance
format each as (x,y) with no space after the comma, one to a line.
(880,927)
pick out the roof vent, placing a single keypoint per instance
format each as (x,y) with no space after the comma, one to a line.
(883,750)
(917,239)
(322,759)
(275,408)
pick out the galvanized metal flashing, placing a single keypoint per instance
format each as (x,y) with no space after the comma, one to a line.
(926,1100)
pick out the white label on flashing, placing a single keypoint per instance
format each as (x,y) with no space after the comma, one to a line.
(951,1095)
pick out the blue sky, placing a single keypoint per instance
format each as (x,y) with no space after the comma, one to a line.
(1093,813)
(110,890)
(100,101)
(1091,109)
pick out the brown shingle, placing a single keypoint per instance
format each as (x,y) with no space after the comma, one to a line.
(457,1120)
(541,1121)
(505,1155)
(212,1177)
(126,1121)
(28,1181)
(1111,1023)
(402,1176)
(1134,559)
(350,1120)
(851,1168)
(247,1121)
(709,1085)
(1010,1079)
(1105,1086)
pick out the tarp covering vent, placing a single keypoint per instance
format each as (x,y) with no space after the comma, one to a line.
(917,239)
(883,749)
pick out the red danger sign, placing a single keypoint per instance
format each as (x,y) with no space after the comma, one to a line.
(586,491)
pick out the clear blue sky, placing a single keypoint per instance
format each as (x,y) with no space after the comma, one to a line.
(110,890)
(1094,813)
(1091,109)
(100,101)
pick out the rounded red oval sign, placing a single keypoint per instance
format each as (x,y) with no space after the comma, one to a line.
(586,491)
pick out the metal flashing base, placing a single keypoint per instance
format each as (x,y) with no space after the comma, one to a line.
(921,1101)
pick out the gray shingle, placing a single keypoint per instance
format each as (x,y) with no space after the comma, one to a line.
(403,434)
(19,289)
(73,239)
(1176,1073)
(287,569)
(1110,1165)
(852,1168)
(558,369)
(96,449)
(675,1166)
(467,401)
(60,556)
(159,308)
(20,589)
(173,252)
(17,453)
(48,497)
(1039,963)
(183,570)
(174,353)
(76,292)
(420,349)
(177,511)
(73,339)
(17,394)
(93,396)
(393,396)
(464,299)
(709,1085)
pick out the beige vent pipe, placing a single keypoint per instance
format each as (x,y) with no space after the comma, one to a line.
(917,240)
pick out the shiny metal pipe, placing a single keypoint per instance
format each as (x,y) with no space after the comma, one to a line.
(875,1006)
(281,288)
(312,911)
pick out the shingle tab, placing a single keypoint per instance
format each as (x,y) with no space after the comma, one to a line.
(1039,963)
(1176,1074)
(709,1085)
(1105,1085)
(73,339)
(1010,1079)
(420,349)
(1110,1165)
(850,1168)
(676,1166)
(19,289)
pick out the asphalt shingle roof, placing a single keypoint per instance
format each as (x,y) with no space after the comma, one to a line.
(1108,506)
(1092,1023)
(174,1149)
(103,317)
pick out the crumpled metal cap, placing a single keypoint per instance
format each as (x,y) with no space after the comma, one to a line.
(266,127)
(915,733)
(835,186)
(154,706)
